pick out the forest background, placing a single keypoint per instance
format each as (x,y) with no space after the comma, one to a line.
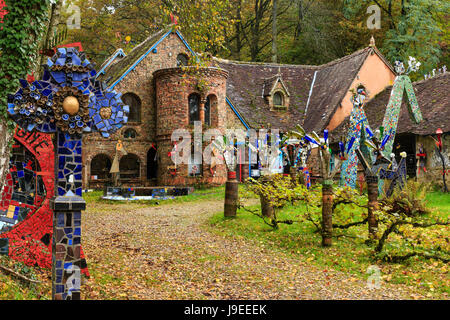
(309,32)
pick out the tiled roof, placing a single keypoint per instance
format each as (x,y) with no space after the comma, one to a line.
(246,89)
(332,83)
(247,84)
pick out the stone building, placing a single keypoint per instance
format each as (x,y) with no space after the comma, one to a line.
(228,94)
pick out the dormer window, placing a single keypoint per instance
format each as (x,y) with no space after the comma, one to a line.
(276,93)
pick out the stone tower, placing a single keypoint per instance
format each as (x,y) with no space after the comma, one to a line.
(185,95)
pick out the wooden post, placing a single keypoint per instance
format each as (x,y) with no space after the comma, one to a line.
(293,174)
(231,195)
(327,213)
(267,209)
(372,191)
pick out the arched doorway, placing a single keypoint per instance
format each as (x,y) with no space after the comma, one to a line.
(152,163)
(100,167)
(130,167)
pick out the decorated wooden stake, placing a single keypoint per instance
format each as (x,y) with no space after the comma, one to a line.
(327,213)
(231,195)
(68,101)
(328,173)
(372,191)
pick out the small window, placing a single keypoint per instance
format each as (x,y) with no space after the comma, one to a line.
(194,108)
(130,134)
(278,99)
(208,111)
(182,60)
(134,102)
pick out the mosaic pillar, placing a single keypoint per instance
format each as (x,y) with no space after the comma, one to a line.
(67,207)
(66,248)
(355,137)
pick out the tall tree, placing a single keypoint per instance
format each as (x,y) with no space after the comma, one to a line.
(274,32)
(410,28)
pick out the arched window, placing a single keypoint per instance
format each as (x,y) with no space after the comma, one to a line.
(278,99)
(208,110)
(152,163)
(100,166)
(182,60)
(130,134)
(129,167)
(194,108)
(134,102)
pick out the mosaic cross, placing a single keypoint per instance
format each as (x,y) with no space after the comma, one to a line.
(402,85)
(68,102)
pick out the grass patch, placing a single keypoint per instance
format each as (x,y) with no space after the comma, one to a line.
(349,253)
(213,193)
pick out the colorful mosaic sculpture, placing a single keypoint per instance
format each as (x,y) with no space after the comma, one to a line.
(325,153)
(357,134)
(25,214)
(402,85)
(67,101)
(296,153)
(397,176)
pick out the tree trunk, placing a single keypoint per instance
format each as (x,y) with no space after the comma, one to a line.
(372,190)
(274,32)
(238,28)
(5,139)
(267,209)
(54,17)
(231,195)
(298,27)
(327,214)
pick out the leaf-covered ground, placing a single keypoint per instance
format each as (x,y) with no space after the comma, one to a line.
(139,252)
(173,250)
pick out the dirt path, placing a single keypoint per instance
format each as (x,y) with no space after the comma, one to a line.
(165,253)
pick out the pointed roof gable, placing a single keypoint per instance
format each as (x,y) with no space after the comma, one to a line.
(333,80)
(271,84)
(118,69)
